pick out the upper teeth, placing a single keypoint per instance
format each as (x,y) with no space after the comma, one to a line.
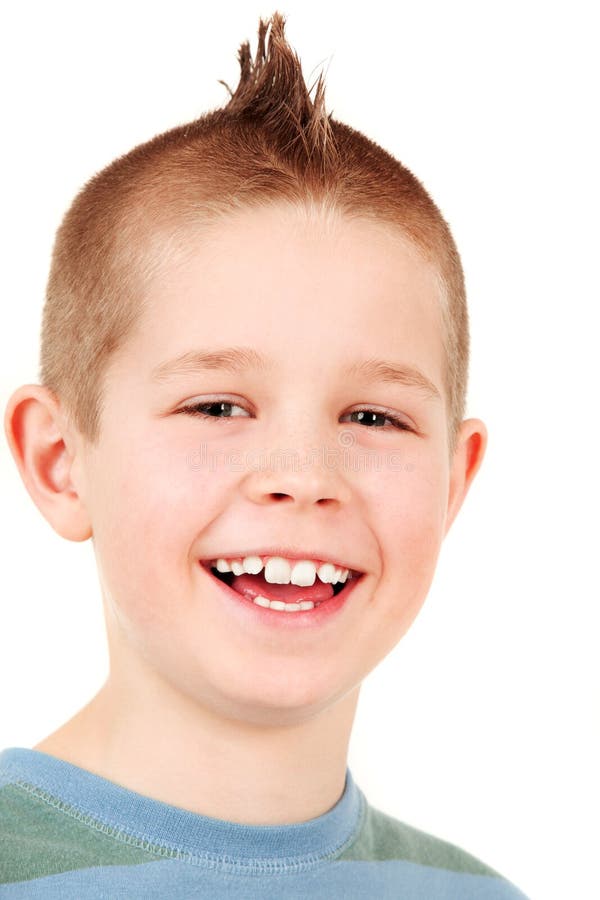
(282,571)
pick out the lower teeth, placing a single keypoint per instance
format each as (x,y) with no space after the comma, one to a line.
(279,605)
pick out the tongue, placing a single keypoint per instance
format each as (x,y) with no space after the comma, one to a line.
(254,585)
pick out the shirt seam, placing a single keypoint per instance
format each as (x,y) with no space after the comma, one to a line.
(222,862)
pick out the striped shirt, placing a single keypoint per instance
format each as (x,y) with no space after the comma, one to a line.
(68,834)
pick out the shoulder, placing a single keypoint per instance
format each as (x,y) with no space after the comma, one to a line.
(41,836)
(384,838)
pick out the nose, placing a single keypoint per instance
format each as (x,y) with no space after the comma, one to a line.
(304,482)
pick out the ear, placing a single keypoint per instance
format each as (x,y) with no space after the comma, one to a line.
(470,449)
(37,437)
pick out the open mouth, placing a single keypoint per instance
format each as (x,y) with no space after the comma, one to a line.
(228,578)
(284,597)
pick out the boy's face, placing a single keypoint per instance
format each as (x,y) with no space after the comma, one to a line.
(165,489)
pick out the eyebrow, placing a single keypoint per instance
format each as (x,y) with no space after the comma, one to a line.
(242,359)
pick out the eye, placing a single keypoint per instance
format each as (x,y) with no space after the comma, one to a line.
(368,417)
(222,409)
(206,410)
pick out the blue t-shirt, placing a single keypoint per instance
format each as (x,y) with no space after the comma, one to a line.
(68,834)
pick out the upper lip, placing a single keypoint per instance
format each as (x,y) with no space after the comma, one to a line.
(288,553)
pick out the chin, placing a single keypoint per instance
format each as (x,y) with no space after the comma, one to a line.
(282,704)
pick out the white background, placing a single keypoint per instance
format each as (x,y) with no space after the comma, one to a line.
(482,726)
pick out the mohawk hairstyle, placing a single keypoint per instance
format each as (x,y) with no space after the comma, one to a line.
(271,144)
(272,91)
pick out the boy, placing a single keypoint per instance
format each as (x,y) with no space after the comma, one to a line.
(269,265)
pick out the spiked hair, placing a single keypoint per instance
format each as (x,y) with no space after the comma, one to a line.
(270,144)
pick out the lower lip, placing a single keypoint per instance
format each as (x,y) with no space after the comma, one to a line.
(306,618)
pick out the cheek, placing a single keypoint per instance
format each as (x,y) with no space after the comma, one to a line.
(151,508)
(409,526)
(414,524)
(147,511)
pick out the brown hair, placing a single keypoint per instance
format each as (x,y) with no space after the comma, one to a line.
(271,143)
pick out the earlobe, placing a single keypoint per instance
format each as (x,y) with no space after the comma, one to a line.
(32,424)
(468,456)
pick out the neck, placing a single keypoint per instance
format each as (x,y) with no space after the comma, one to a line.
(142,735)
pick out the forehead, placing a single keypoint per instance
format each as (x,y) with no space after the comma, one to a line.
(295,282)
(326,237)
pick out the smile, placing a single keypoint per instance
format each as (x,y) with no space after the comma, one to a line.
(283,586)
